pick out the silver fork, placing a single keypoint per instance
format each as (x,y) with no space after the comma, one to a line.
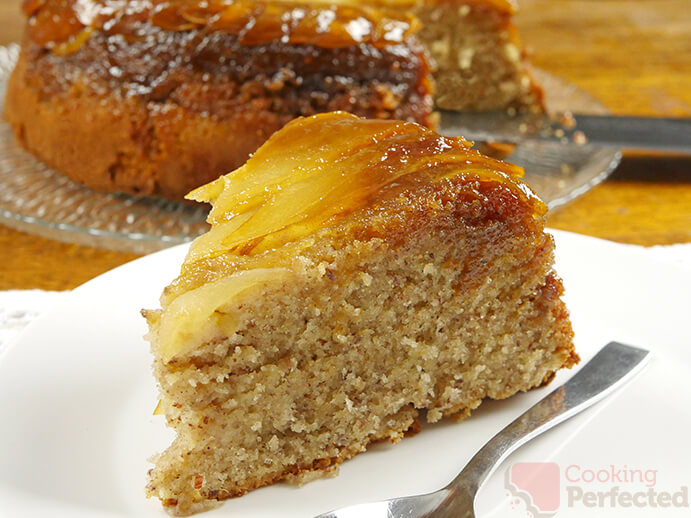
(610,368)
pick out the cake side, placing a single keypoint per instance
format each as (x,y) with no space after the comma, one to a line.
(290,346)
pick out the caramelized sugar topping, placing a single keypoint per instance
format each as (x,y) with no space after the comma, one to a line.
(318,170)
(63,25)
(313,173)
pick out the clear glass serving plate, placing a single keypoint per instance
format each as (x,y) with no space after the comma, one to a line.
(39,200)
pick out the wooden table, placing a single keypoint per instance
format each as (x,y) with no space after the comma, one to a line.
(635,57)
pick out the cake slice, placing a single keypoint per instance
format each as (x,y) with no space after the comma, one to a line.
(359,274)
(156,98)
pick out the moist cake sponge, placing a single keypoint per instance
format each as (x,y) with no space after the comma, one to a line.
(357,273)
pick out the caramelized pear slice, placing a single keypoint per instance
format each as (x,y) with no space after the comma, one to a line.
(207,245)
(179,326)
(319,168)
(303,148)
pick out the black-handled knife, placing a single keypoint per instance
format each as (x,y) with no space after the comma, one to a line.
(652,133)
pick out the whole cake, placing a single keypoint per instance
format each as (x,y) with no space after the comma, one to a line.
(158,97)
(357,273)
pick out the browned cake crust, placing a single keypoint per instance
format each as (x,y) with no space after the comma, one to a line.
(155,106)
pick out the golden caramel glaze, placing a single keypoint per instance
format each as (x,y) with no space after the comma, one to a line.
(332,178)
(319,171)
(63,25)
(321,168)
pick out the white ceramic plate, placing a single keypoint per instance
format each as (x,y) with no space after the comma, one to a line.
(77,395)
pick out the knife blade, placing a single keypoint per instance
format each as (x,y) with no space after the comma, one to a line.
(652,133)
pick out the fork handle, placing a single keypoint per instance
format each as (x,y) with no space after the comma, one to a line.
(610,368)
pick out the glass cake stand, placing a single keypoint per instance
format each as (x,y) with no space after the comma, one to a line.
(39,200)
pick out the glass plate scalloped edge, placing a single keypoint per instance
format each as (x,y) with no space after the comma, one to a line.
(39,200)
